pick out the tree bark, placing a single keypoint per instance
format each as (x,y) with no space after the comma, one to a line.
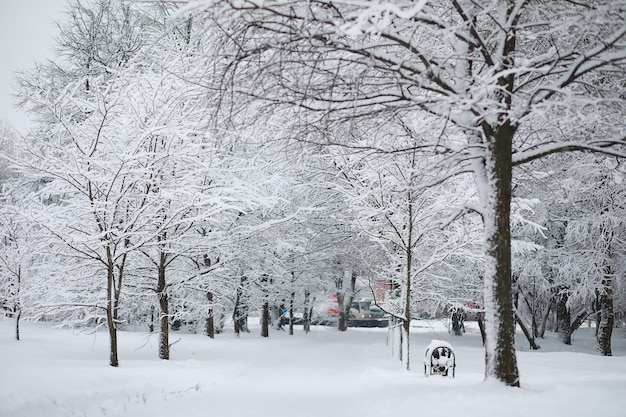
(563,319)
(111,325)
(500,358)
(607,317)
(265,319)
(607,320)
(18,316)
(151,324)
(605,297)
(541,331)
(164,317)
(527,333)
(344,300)
(342,324)
(18,304)
(306,316)
(291,318)
(480,317)
(240,311)
(209,328)
(405,344)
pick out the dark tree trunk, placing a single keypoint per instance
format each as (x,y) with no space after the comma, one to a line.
(164,346)
(210,321)
(531,305)
(265,320)
(405,339)
(596,308)
(527,333)
(164,316)
(400,325)
(342,322)
(480,317)
(18,316)
(605,299)
(541,331)
(405,344)
(240,312)
(151,324)
(344,302)
(500,357)
(306,316)
(18,304)
(291,318)
(110,313)
(113,361)
(563,319)
(607,318)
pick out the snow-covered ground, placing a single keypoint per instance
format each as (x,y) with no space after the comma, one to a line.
(54,372)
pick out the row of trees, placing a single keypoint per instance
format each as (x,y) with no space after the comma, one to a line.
(198,162)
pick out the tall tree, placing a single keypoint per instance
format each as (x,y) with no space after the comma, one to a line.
(16,232)
(86,168)
(408,221)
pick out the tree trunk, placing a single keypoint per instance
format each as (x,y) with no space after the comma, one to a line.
(527,333)
(291,318)
(344,300)
(605,298)
(164,347)
(500,358)
(306,316)
(400,330)
(164,316)
(111,325)
(607,318)
(342,324)
(534,330)
(265,319)
(405,344)
(18,316)
(563,319)
(541,331)
(350,297)
(530,334)
(210,323)
(240,312)
(151,324)
(406,322)
(480,317)
(18,304)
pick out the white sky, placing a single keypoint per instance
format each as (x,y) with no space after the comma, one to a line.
(27,29)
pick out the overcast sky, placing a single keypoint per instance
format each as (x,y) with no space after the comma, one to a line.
(27,28)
